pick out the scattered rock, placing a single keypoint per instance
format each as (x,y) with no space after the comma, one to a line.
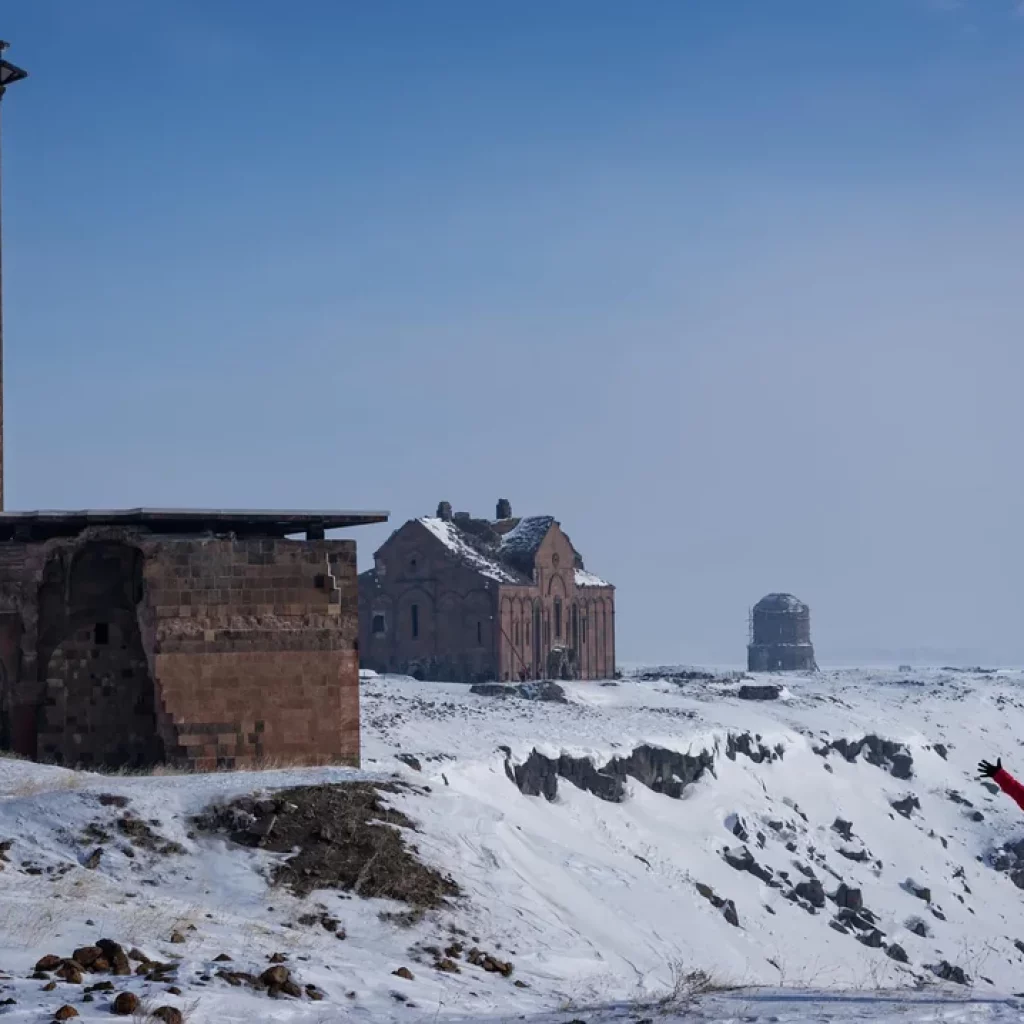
(412,762)
(906,805)
(448,966)
(275,977)
(125,1004)
(918,927)
(949,972)
(811,891)
(48,963)
(860,856)
(844,828)
(922,892)
(65,1013)
(177,937)
(92,862)
(86,956)
(851,899)
(169,1015)
(403,972)
(743,860)
(896,952)
(873,938)
(729,913)
(70,972)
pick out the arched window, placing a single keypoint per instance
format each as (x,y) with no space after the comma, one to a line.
(558,618)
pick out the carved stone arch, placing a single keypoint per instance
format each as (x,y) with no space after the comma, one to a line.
(556,586)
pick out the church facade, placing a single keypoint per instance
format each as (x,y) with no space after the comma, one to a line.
(453,597)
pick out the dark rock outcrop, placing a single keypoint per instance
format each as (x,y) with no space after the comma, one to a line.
(544,690)
(768,691)
(663,771)
(906,805)
(886,754)
(812,891)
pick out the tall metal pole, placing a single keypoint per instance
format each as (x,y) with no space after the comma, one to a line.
(8,74)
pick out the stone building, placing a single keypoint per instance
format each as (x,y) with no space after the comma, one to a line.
(780,636)
(196,638)
(456,598)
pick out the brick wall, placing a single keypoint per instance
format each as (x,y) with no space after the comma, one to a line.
(120,647)
(254,649)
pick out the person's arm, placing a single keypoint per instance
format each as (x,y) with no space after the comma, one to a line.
(1010,786)
(1004,780)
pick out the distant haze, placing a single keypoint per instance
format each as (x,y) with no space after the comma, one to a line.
(735,290)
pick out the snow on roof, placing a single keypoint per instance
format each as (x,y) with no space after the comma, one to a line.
(520,544)
(588,579)
(456,542)
(780,603)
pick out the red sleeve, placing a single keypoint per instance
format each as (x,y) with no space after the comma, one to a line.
(1010,786)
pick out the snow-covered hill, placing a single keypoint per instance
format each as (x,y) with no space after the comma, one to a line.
(656,836)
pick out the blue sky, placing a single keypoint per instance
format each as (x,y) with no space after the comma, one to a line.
(734,289)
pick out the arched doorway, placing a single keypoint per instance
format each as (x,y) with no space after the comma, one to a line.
(100,703)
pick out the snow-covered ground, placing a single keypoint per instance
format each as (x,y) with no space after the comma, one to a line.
(606,909)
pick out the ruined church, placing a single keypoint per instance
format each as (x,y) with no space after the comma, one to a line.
(453,597)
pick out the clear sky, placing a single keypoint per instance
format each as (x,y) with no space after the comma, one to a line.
(733,288)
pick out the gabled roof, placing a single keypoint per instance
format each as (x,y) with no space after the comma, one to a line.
(460,545)
(520,545)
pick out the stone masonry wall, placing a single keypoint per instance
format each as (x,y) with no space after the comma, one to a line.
(254,649)
(121,647)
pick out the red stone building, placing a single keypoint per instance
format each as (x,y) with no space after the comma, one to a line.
(196,638)
(455,598)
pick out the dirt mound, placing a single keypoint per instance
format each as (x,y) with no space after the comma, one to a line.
(344,837)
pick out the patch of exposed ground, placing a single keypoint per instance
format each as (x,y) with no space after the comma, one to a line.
(340,836)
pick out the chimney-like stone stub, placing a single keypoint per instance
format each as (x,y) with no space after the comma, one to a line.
(444,511)
(503,509)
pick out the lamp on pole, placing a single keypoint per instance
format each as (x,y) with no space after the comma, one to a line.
(9,74)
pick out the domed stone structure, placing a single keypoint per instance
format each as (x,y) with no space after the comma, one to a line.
(780,636)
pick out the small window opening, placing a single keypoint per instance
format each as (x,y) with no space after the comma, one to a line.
(415,621)
(379,627)
(479,633)
(558,619)
(101,634)
(412,564)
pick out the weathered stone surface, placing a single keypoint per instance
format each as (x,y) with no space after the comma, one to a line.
(851,899)
(125,1004)
(812,891)
(116,625)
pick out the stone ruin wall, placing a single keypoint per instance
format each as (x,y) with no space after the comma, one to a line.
(119,648)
